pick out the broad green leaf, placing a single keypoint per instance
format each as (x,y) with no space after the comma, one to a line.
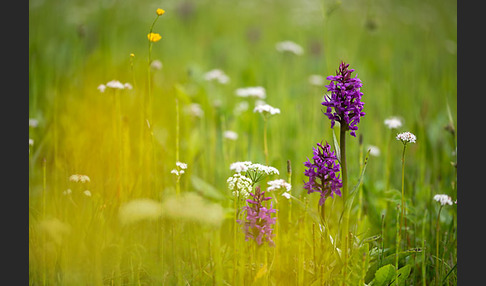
(403,274)
(384,275)
(390,259)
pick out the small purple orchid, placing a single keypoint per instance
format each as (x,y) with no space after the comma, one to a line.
(322,173)
(345,99)
(258,224)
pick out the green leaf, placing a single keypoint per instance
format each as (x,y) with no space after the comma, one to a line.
(403,274)
(336,146)
(205,189)
(384,275)
(390,259)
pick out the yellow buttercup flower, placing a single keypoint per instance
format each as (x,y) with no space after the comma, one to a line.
(154,37)
(160,12)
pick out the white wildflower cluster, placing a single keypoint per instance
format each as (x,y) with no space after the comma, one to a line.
(231,135)
(76,178)
(316,80)
(254,171)
(252,92)
(31,142)
(241,107)
(139,210)
(87,193)
(406,137)
(156,65)
(393,122)
(217,75)
(179,170)
(374,151)
(239,185)
(289,46)
(33,122)
(195,110)
(443,199)
(114,84)
(279,184)
(266,109)
(239,167)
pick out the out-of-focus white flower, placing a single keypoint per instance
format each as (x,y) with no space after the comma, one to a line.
(443,199)
(33,122)
(254,92)
(128,85)
(190,207)
(115,84)
(316,80)
(101,87)
(266,109)
(241,107)
(79,178)
(287,195)
(217,75)
(289,46)
(67,192)
(231,135)
(279,184)
(393,122)
(87,193)
(406,137)
(239,185)
(195,110)
(156,65)
(181,165)
(374,151)
(139,210)
(31,142)
(179,170)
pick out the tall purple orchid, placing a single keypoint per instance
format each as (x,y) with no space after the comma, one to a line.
(322,173)
(258,223)
(345,99)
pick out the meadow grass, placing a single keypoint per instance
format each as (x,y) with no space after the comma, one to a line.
(127,141)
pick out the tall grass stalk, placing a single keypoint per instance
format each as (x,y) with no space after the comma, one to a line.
(437,239)
(424,257)
(403,188)
(397,245)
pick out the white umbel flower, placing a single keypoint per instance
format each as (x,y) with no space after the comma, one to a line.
(195,110)
(181,165)
(393,122)
(262,169)
(87,193)
(443,199)
(156,65)
(217,75)
(239,185)
(287,195)
(316,80)
(289,46)
(279,184)
(33,122)
(231,135)
(239,167)
(254,92)
(101,87)
(79,178)
(406,137)
(374,151)
(115,84)
(266,109)
(31,142)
